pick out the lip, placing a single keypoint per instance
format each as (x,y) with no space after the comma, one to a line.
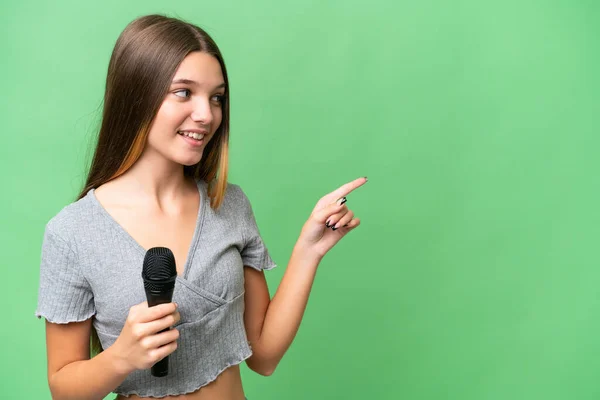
(192,142)
(202,131)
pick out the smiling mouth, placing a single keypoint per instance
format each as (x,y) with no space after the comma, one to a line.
(193,135)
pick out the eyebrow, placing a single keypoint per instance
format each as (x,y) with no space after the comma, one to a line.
(191,82)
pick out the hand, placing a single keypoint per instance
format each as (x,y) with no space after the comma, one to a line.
(139,346)
(330,220)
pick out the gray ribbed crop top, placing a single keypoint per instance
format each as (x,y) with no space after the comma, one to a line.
(90,266)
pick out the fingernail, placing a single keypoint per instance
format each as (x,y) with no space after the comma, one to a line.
(327,223)
(366,179)
(342,200)
(333,228)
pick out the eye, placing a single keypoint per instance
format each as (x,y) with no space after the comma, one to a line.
(185,96)
(219,98)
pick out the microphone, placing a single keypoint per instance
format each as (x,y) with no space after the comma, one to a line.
(159,274)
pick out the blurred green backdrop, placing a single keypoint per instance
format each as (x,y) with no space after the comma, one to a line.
(474,274)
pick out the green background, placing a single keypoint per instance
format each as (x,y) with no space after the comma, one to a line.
(474,274)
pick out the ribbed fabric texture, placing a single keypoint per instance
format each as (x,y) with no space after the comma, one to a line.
(63,289)
(91,267)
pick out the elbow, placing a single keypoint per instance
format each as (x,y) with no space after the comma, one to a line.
(57,392)
(264,371)
(261,367)
(54,390)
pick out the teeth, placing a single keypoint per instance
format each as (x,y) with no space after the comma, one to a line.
(197,136)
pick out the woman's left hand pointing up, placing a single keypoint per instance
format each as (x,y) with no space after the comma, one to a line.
(330,220)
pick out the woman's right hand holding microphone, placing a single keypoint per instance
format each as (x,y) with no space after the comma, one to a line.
(140,345)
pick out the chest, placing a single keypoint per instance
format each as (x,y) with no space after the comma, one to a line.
(175,232)
(207,247)
(150,227)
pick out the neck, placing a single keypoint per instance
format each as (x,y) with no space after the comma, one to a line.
(156,179)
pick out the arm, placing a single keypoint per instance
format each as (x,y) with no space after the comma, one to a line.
(69,367)
(73,375)
(271,325)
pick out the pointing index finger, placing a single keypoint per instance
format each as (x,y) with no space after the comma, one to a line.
(346,189)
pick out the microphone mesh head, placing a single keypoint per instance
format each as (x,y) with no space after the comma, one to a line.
(159,265)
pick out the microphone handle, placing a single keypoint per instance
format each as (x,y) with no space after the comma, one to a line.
(155,298)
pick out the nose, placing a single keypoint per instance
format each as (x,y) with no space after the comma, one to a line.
(202,112)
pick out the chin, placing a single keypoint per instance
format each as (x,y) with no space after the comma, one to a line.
(188,161)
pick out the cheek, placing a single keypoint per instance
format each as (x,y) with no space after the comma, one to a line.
(169,115)
(217,118)
(165,124)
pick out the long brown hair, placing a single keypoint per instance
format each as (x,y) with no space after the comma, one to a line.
(142,65)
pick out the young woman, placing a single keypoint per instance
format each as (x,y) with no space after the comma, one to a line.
(159,178)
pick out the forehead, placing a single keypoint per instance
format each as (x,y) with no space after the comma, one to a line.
(200,67)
